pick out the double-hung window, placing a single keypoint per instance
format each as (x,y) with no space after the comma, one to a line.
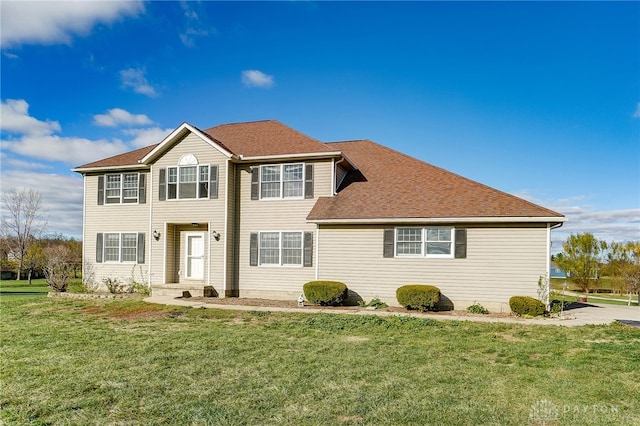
(120,247)
(424,242)
(184,182)
(281,248)
(282,181)
(121,188)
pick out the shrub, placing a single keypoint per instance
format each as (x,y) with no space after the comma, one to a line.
(417,296)
(375,303)
(113,285)
(325,293)
(525,305)
(477,308)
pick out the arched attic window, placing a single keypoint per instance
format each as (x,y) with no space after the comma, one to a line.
(190,179)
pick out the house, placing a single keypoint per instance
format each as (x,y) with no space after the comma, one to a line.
(258,209)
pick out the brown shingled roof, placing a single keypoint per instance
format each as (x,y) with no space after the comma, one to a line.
(391,185)
(262,138)
(130,158)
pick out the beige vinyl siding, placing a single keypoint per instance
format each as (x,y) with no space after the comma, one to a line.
(112,218)
(276,215)
(178,215)
(501,262)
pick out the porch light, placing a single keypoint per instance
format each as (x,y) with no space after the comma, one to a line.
(216,235)
(195,224)
(156,235)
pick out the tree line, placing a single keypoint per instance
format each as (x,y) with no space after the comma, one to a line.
(26,249)
(586,259)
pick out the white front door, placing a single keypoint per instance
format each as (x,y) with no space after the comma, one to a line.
(195,255)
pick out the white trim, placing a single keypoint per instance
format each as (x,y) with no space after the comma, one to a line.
(164,253)
(316,254)
(423,243)
(203,235)
(280,241)
(210,241)
(281,181)
(286,157)
(224,237)
(151,239)
(109,168)
(84,225)
(180,131)
(548,268)
(442,220)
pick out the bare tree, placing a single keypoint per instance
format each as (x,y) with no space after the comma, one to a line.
(22,221)
(57,269)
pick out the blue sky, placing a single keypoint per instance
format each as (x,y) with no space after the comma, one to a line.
(538,99)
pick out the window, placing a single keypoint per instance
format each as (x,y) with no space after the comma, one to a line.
(121,188)
(429,242)
(187,182)
(282,181)
(281,248)
(120,246)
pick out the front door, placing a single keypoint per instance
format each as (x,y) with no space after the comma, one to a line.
(195,255)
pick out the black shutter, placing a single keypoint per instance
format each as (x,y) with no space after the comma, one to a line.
(388,243)
(255,183)
(162,188)
(99,248)
(308,181)
(100,190)
(142,188)
(253,249)
(213,182)
(141,238)
(461,244)
(308,249)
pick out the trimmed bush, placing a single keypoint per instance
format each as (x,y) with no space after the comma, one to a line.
(325,293)
(418,296)
(477,308)
(525,305)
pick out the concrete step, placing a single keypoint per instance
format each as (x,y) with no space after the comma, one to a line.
(177,290)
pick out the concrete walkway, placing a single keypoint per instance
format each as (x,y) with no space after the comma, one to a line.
(578,314)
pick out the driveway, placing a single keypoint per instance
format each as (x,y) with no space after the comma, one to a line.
(594,313)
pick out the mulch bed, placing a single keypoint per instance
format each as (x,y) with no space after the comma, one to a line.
(294,304)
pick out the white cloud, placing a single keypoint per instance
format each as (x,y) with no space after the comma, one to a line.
(146,137)
(134,78)
(57,148)
(37,139)
(54,22)
(637,113)
(609,225)
(117,116)
(61,198)
(16,119)
(255,78)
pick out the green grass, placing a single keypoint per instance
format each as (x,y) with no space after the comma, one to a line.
(557,284)
(38,288)
(129,362)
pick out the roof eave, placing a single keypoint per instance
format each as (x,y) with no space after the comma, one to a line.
(84,170)
(283,157)
(554,220)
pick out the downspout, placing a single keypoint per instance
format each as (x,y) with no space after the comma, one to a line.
(84,221)
(317,251)
(225,227)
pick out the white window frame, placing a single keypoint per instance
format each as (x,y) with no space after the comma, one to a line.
(122,199)
(201,194)
(424,230)
(281,182)
(281,249)
(120,247)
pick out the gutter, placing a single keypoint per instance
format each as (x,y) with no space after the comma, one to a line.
(556,221)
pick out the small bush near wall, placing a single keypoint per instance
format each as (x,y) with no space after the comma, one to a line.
(325,293)
(525,305)
(418,296)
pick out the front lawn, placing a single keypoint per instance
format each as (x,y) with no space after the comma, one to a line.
(38,287)
(129,362)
